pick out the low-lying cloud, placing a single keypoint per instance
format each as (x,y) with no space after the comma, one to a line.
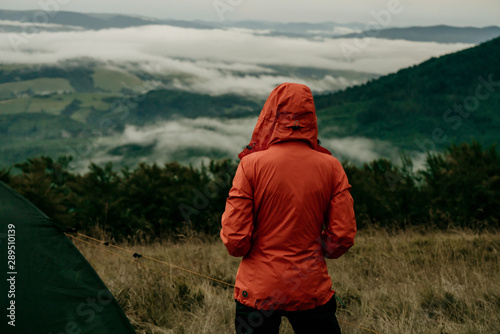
(218,61)
(359,150)
(30,25)
(193,141)
(183,140)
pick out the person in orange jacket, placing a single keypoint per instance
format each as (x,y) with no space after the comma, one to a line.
(289,208)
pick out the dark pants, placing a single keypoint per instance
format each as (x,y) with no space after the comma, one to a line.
(316,321)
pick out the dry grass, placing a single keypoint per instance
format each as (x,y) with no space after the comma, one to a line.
(391,283)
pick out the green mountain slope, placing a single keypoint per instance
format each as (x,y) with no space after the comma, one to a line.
(453,98)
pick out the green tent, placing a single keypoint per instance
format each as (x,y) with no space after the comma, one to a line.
(47,286)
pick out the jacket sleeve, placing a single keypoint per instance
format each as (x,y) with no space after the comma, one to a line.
(340,229)
(237,220)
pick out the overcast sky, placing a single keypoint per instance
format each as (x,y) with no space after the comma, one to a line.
(478,13)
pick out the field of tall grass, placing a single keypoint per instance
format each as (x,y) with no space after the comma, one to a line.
(399,282)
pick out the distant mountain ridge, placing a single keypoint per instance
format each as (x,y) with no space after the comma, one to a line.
(96,21)
(439,33)
(292,29)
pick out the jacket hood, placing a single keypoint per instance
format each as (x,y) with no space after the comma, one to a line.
(288,114)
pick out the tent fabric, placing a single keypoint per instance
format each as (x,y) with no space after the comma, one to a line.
(55,290)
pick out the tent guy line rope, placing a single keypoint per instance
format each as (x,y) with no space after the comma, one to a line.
(134,260)
(136,255)
(105,250)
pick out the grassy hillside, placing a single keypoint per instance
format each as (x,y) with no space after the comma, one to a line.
(42,85)
(409,105)
(403,283)
(115,81)
(47,109)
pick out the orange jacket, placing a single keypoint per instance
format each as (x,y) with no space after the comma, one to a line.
(289,208)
